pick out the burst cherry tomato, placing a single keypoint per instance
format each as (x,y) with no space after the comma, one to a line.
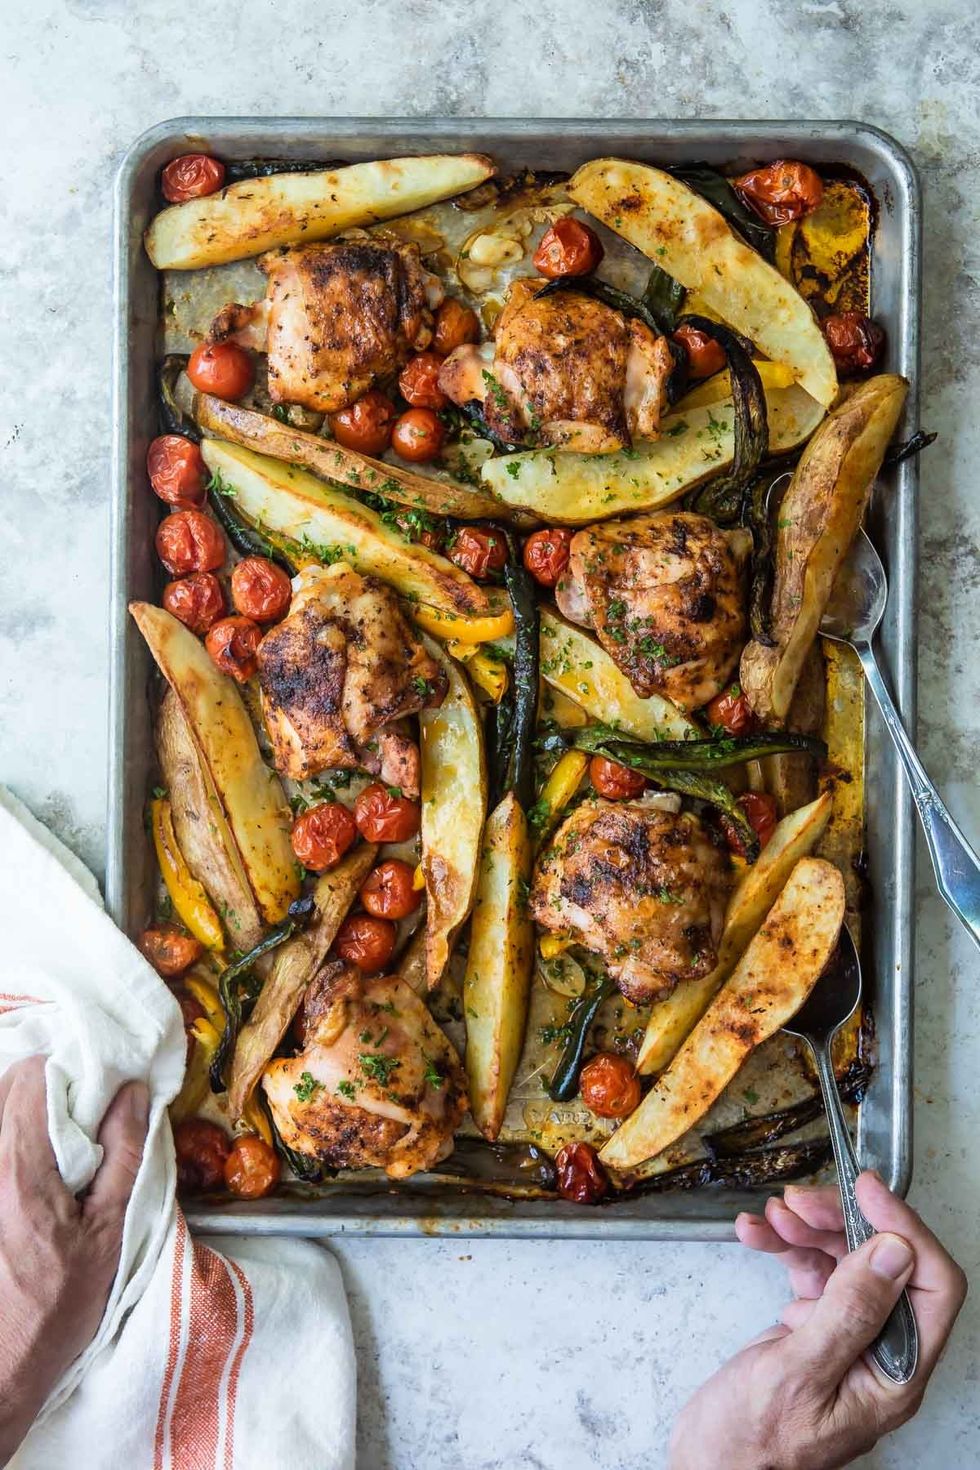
(418,435)
(781,191)
(387,891)
(581,1178)
(252,1168)
(855,341)
(704,355)
(322,835)
(480,550)
(730,711)
(191,176)
(609,1085)
(221,368)
(614,781)
(169,950)
(201,1149)
(260,590)
(418,381)
(382,817)
(189,541)
(366,942)
(232,644)
(197,601)
(546,554)
(569,248)
(456,325)
(760,808)
(366,425)
(176,469)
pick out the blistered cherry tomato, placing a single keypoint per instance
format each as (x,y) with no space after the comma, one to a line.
(169,950)
(581,1178)
(221,368)
(456,325)
(189,541)
(546,554)
(260,590)
(322,835)
(366,942)
(418,435)
(418,381)
(383,817)
(480,550)
(705,356)
(781,191)
(855,341)
(609,1085)
(387,891)
(252,1168)
(614,781)
(366,425)
(730,711)
(191,176)
(568,248)
(232,644)
(201,1149)
(177,470)
(762,813)
(197,601)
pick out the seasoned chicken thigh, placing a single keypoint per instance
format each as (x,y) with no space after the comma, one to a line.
(377,1084)
(665,596)
(339,674)
(640,884)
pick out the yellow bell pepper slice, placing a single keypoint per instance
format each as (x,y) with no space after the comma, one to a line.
(418,879)
(207,996)
(448,626)
(186,894)
(714,390)
(489,674)
(254,1116)
(552,945)
(558,791)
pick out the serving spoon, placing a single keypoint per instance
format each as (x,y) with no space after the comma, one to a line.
(830,1003)
(855,609)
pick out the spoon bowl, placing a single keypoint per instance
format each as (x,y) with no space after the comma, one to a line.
(860,591)
(834,998)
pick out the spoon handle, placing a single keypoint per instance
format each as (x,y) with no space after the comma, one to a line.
(956,865)
(896,1349)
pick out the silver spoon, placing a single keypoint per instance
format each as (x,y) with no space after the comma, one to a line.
(852,616)
(830,1003)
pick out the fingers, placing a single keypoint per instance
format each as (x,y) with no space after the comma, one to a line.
(809,1268)
(24,1142)
(122,1136)
(772,1334)
(795,1231)
(794,1314)
(820,1208)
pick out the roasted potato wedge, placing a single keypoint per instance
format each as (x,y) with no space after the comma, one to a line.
(783,962)
(411,963)
(292,209)
(498,966)
(692,242)
(256,810)
(818,519)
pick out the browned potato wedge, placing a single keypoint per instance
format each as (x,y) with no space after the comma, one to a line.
(818,519)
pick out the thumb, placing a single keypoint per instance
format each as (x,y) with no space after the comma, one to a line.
(122,1136)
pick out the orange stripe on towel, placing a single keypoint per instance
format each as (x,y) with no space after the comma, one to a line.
(246,1291)
(212,1331)
(173,1347)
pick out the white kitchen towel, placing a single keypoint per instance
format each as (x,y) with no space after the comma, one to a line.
(204,1359)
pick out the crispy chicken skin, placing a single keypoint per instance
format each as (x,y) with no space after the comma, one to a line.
(665,596)
(640,884)
(339,674)
(566,371)
(380,1085)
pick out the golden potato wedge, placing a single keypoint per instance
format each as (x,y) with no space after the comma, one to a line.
(257,813)
(818,519)
(671,1020)
(411,963)
(783,962)
(454,803)
(498,966)
(293,209)
(692,242)
(332,526)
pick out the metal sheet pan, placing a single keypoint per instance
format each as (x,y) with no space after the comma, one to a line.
(885,1120)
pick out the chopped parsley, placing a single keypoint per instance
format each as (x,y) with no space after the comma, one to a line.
(378,1067)
(219,486)
(346,1089)
(307,1087)
(432,1075)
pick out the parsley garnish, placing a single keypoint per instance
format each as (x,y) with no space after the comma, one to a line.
(378,1067)
(307,1087)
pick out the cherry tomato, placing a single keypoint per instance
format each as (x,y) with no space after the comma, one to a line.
(780,191)
(177,470)
(189,541)
(456,325)
(387,891)
(232,644)
(760,808)
(546,554)
(365,426)
(569,248)
(730,711)
(704,355)
(365,941)
(418,435)
(480,550)
(614,781)
(197,601)
(581,1178)
(322,835)
(609,1085)
(221,368)
(855,341)
(252,1168)
(201,1149)
(382,817)
(191,176)
(169,950)
(418,381)
(260,590)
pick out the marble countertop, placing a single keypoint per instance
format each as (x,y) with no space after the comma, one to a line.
(498,1355)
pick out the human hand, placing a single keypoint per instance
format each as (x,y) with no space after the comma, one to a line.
(803,1395)
(58,1254)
